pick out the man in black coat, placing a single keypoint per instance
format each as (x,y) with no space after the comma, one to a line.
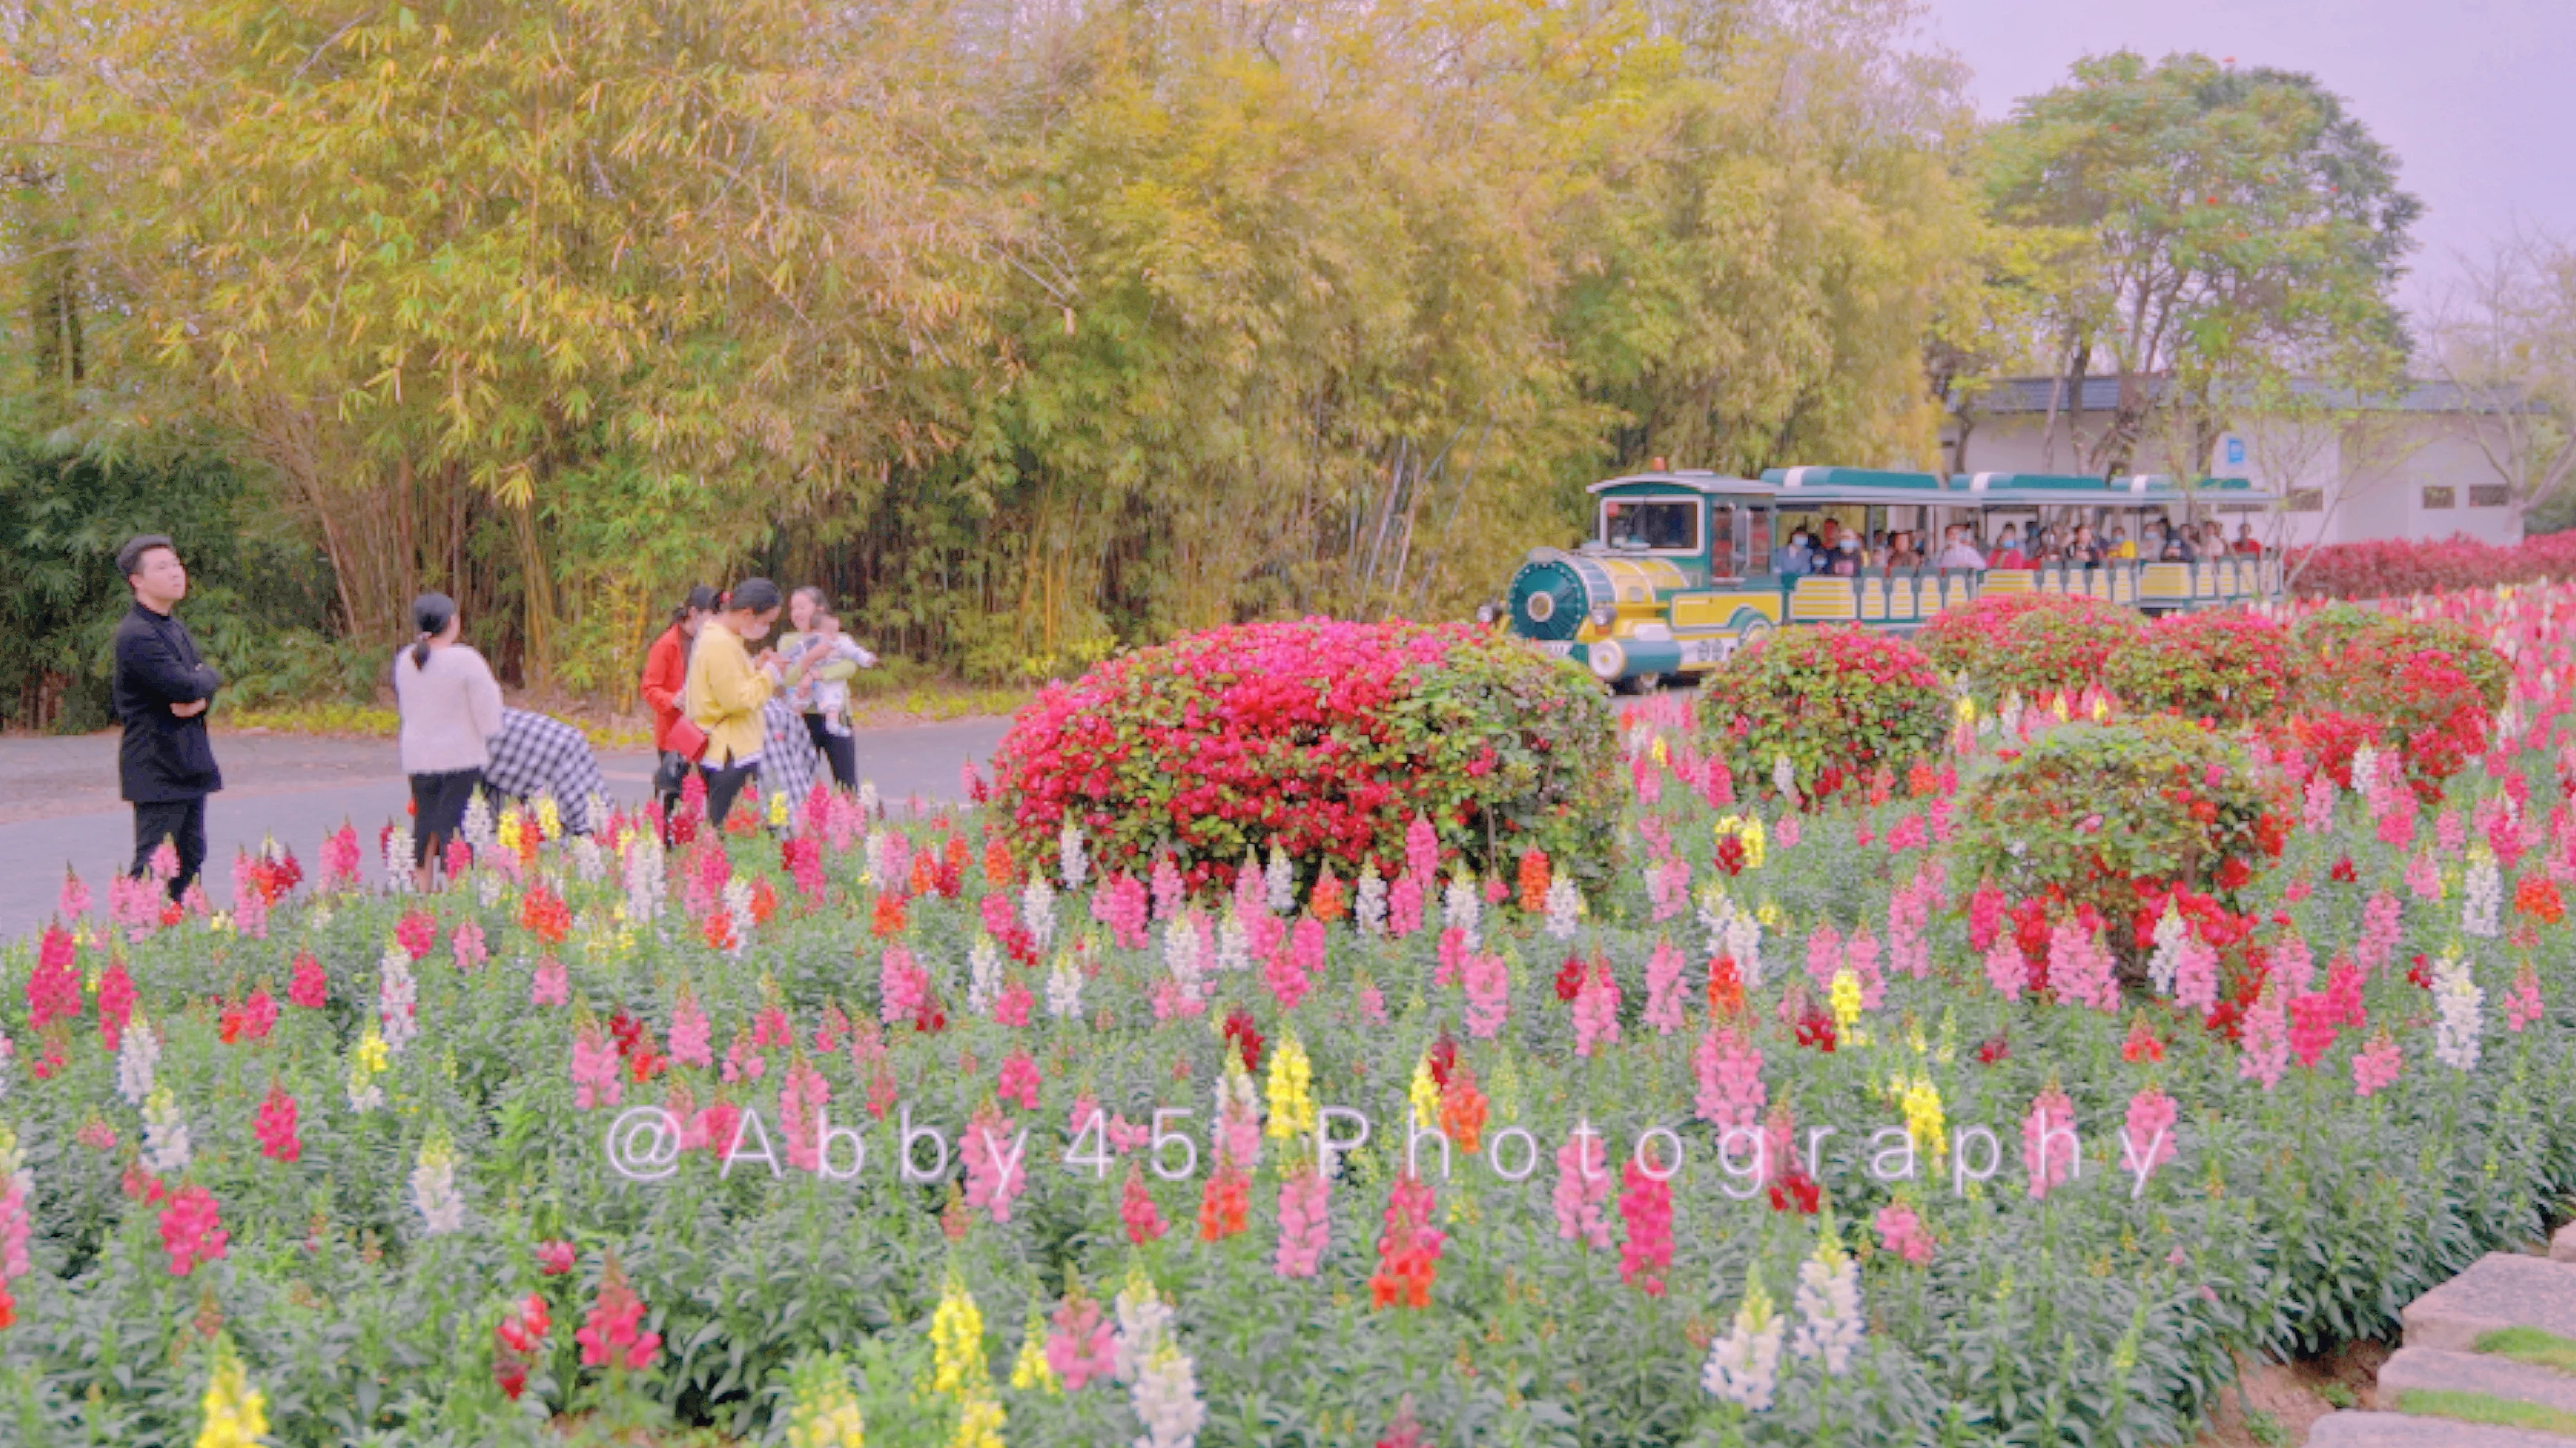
(162,687)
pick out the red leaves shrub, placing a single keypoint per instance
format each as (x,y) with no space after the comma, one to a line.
(2115,816)
(1837,701)
(1322,737)
(2030,644)
(2393,568)
(2226,665)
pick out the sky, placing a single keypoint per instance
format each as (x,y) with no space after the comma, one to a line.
(2476,97)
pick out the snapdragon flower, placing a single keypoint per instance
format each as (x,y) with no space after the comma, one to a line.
(2461,1004)
(1744,1365)
(1828,1303)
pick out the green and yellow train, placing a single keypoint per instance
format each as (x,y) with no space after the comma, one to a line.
(1683,568)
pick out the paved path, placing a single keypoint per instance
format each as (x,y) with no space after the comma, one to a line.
(59,805)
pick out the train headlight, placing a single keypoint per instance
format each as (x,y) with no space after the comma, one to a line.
(1484,613)
(1607,659)
(1604,616)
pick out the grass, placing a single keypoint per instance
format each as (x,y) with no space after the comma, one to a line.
(2492,1411)
(2531,1345)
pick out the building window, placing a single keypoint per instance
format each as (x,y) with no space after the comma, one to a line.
(2307,500)
(2489,495)
(2441,497)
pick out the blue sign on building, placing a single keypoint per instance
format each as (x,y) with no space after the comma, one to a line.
(2235,452)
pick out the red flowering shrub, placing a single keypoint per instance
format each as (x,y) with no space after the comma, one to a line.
(1323,738)
(2227,665)
(2432,687)
(1837,701)
(2113,817)
(2395,568)
(2030,644)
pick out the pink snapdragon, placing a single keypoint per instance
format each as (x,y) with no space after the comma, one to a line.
(1663,988)
(191,1230)
(1489,990)
(2147,1136)
(901,985)
(2006,970)
(594,1069)
(1646,1204)
(1081,1346)
(2375,1067)
(1596,1010)
(2048,1145)
(1824,956)
(2381,931)
(1305,1223)
(1901,1232)
(1582,1184)
(2263,1043)
(1019,1080)
(2080,967)
(996,1166)
(802,1101)
(691,1042)
(2522,1003)
(1729,1073)
(551,986)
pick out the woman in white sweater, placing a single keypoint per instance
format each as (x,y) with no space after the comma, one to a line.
(451,706)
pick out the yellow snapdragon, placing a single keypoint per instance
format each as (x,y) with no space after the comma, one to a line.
(1289,1088)
(957,1344)
(236,1413)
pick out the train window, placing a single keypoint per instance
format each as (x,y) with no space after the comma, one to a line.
(1722,559)
(1651,525)
(1754,554)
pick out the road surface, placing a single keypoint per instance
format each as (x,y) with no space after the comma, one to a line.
(59,805)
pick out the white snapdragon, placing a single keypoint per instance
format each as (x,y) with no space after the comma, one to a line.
(2482,909)
(433,1188)
(1564,908)
(1037,911)
(983,974)
(1744,944)
(1828,1302)
(645,879)
(398,858)
(1165,1398)
(1144,1321)
(1182,953)
(2461,1005)
(166,1150)
(1279,883)
(397,999)
(479,829)
(1064,988)
(1784,775)
(1233,943)
(587,864)
(1368,912)
(2167,960)
(2365,769)
(1744,1366)
(1070,858)
(138,1051)
(1461,908)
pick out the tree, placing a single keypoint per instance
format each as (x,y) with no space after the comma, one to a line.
(2246,228)
(2505,337)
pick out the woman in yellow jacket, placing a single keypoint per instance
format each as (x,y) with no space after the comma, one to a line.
(727,686)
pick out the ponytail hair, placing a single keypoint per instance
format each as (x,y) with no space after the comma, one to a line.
(701,599)
(431,613)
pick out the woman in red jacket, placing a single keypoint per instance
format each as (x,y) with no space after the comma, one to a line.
(666,669)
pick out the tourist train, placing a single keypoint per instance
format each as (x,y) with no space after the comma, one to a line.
(1682,567)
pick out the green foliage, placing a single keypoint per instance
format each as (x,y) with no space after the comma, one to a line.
(2351,656)
(2089,812)
(257,599)
(1838,702)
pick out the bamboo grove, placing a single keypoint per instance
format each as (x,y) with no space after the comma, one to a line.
(1030,327)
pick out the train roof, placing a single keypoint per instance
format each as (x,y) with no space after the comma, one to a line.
(1958,490)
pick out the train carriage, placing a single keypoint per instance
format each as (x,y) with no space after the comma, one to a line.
(1683,568)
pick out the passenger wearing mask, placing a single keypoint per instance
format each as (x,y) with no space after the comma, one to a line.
(1789,560)
(2008,553)
(1957,551)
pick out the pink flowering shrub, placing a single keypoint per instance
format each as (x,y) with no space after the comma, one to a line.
(1321,738)
(2396,567)
(2029,644)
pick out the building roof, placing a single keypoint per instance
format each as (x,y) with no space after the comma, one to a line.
(2005,396)
(1790,486)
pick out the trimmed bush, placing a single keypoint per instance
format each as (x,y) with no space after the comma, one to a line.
(2030,644)
(1322,738)
(1836,701)
(2432,686)
(2396,568)
(2228,666)
(2112,816)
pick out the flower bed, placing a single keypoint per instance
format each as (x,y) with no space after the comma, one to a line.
(1821,711)
(1321,739)
(876,1123)
(2396,568)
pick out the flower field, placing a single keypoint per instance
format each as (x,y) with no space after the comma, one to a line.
(1930,1107)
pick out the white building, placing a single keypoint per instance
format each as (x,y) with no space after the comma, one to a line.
(2406,466)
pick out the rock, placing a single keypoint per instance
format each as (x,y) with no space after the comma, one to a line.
(2426,1368)
(2562,1248)
(2400,1430)
(2500,1290)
